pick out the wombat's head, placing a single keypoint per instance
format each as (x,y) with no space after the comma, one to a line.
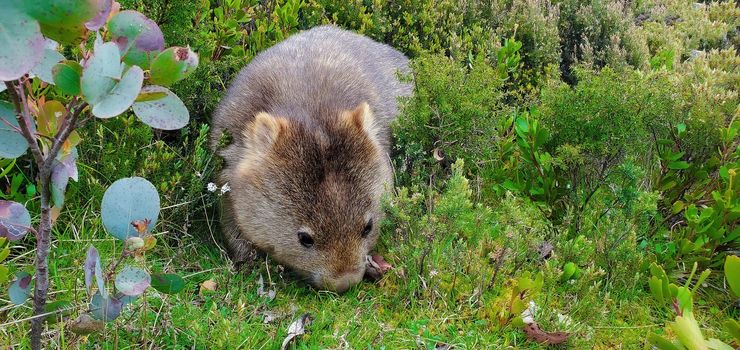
(310,195)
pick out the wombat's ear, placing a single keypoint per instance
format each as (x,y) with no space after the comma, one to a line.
(264,130)
(362,118)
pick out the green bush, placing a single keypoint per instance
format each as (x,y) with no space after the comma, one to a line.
(455,113)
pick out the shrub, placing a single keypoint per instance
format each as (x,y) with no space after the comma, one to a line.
(107,83)
(455,113)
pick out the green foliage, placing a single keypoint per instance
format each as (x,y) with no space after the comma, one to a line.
(630,163)
(681,298)
(454,114)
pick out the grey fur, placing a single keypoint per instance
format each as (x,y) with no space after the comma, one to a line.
(311,75)
(311,79)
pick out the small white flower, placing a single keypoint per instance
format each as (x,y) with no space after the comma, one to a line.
(433,273)
(212,187)
(225,188)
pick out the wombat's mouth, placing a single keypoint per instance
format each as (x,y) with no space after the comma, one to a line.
(340,284)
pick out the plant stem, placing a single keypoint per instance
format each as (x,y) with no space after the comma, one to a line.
(44,163)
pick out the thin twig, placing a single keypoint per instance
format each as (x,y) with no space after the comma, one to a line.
(18,96)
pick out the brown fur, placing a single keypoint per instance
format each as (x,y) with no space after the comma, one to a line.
(309,120)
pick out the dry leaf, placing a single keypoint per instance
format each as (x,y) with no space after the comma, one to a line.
(438,154)
(85,324)
(269,317)
(534,333)
(270,294)
(376,267)
(141,226)
(298,327)
(208,285)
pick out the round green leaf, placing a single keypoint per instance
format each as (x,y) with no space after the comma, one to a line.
(166,113)
(121,96)
(20,289)
(66,77)
(63,20)
(101,73)
(59,310)
(568,271)
(21,42)
(128,200)
(138,37)
(105,309)
(104,8)
(62,12)
(132,281)
(168,283)
(43,70)
(14,220)
(172,65)
(12,143)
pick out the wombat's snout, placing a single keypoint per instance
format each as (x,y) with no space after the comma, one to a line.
(340,283)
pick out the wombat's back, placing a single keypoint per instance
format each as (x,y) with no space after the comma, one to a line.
(313,75)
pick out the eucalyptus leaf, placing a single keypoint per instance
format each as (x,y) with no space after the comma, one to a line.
(121,96)
(64,168)
(66,77)
(20,289)
(126,201)
(138,37)
(132,281)
(63,21)
(14,220)
(168,283)
(12,143)
(166,113)
(172,65)
(94,267)
(43,70)
(101,73)
(21,42)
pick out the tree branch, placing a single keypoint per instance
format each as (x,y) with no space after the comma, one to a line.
(69,124)
(18,96)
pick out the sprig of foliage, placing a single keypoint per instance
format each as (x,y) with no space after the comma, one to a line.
(127,50)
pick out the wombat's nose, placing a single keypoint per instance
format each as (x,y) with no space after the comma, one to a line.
(341,286)
(344,281)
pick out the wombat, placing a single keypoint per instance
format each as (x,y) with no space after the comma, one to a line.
(308,162)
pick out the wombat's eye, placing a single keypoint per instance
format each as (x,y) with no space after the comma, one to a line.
(305,239)
(368,228)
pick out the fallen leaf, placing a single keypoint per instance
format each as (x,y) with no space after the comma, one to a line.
(534,333)
(438,154)
(270,294)
(85,324)
(376,267)
(528,313)
(298,327)
(208,285)
(269,317)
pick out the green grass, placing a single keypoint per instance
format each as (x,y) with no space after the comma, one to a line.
(444,250)
(455,237)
